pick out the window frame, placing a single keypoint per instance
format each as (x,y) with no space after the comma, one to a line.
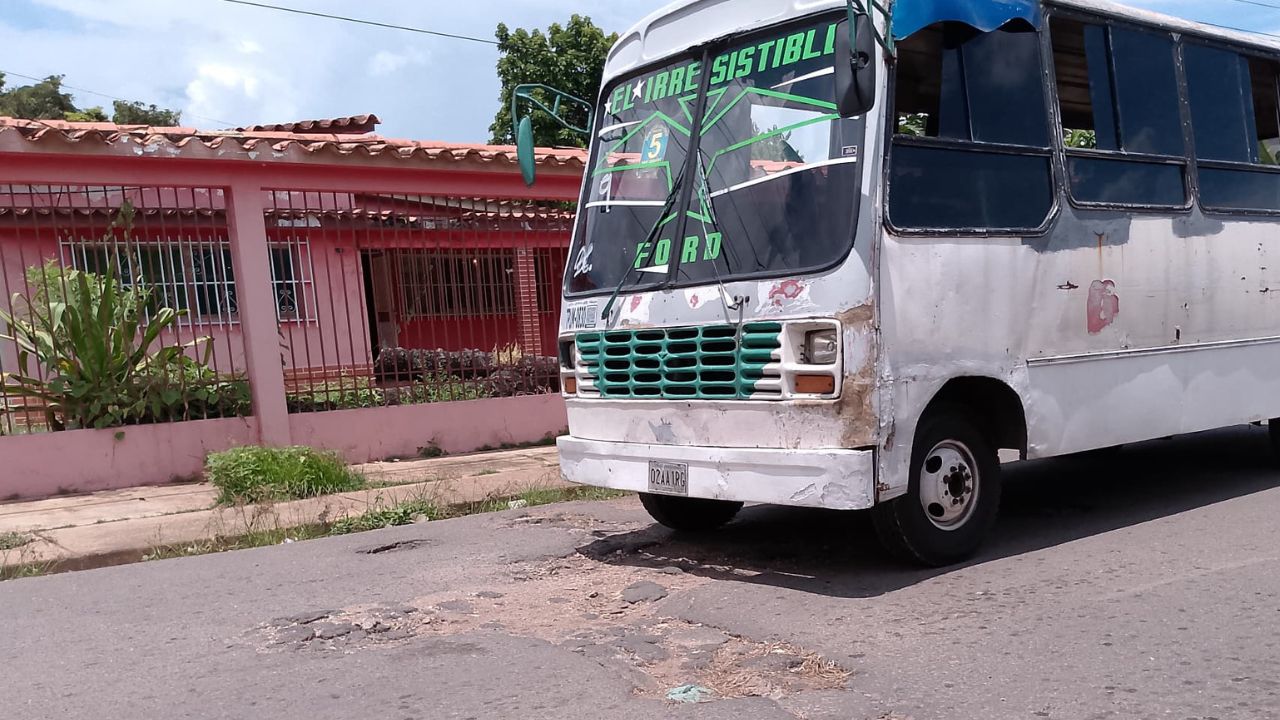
(1064,154)
(1247,52)
(1190,163)
(185,251)
(425,298)
(1050,151)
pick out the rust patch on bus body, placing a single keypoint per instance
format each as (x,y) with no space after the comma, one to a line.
(857,406)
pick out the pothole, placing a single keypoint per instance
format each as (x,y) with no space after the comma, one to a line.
(613,614)
(589,604)
(395,547)
(346,629)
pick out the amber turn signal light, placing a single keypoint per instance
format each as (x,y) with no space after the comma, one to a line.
(815,384)
(571,386)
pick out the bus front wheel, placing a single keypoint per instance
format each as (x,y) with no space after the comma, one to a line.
(689,514)
(954,493)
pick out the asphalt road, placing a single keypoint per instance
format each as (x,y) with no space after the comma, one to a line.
(1139,586)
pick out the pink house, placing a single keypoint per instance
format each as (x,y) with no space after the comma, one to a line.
(297,252)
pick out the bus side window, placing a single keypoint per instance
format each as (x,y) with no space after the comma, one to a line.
(971,148)
(1118,96)
(1237,129)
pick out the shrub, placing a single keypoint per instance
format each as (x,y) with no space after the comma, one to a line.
(342,394)
(401,365)
(92,351)
(87,353)
(253,474)
(437,388)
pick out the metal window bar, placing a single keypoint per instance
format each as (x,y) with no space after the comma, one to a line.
(73,226)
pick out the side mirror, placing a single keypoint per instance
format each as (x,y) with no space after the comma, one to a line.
(539,96)
(525,151)
(856,66)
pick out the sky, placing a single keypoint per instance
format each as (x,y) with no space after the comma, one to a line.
(226,65)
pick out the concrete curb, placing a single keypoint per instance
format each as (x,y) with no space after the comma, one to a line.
(125,540)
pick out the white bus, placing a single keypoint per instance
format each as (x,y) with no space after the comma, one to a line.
(810,275)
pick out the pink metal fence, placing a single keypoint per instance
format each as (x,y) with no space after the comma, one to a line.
(381,298)
(68,363)
(419,298)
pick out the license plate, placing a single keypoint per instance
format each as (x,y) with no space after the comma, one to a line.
(669,478)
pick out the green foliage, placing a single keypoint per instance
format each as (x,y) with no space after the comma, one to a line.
(913,124)
(775,148)
(254,474)
(412,511)
(13,541)
(45,100)
(1265,156)
(443,388)
(356,393)
(90,351)
(93,114)
(402,514)
(1084,139)
(135,113)
(569,58)
(342,394)
(23,570)
(256,539)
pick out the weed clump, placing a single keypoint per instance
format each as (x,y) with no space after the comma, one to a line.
(254,474)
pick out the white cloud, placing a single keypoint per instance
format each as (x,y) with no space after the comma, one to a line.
(228,64)
(387,63)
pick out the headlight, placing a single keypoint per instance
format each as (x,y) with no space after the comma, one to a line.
(821,347)
(568,354)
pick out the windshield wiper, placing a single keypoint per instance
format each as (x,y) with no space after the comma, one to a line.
(704,197)
(649,238)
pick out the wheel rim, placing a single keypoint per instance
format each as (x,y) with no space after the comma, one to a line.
(949,485)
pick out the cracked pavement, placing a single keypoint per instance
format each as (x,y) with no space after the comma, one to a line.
(1140,586)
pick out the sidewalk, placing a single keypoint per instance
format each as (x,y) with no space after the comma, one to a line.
(122,526)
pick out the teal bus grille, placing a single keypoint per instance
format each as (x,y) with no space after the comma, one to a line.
(712,362)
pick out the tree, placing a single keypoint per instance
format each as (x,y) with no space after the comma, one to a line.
(45,100)
(775,148)
(135,113)
(569,58)
(93,114)
(41,101)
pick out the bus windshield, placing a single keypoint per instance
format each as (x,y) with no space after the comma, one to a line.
(773,188)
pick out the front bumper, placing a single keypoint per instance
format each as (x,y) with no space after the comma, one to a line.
(831,479)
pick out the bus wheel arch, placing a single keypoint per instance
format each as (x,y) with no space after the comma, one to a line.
(955,475)
(992,404)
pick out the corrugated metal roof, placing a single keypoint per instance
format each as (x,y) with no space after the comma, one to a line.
(283,146)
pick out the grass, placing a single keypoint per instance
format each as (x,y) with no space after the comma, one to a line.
(405,513)
(254,475)
(261,538)
(16,558)
(17,572)
(13,541)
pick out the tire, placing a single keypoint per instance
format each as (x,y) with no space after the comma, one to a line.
(1274,427)
(690,514)
(955,472)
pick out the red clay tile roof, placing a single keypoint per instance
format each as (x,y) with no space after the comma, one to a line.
(354,125)
(260,144)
